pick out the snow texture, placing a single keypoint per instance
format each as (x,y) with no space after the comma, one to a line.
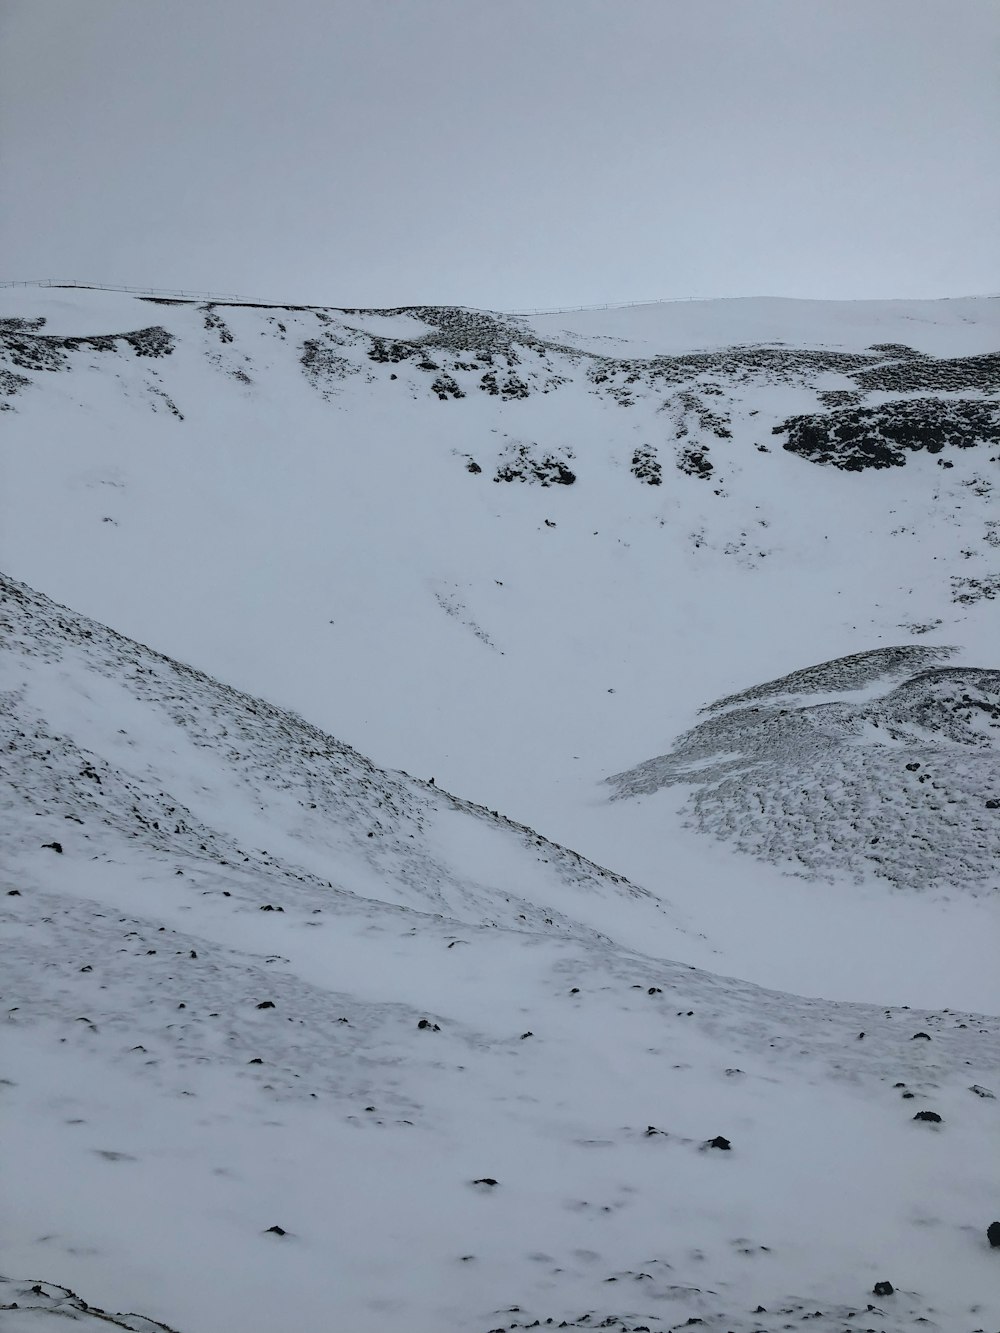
(905,784)
(296,1039)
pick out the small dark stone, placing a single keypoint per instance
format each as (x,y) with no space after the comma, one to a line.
(719,1142)
(993,1235)
(266,1004)
(255,1061)
(920,1036)
(931,1116)
(485,1180)
(883,1289)
(276,1231)
(55,846)
(526,1034)
(654,990)
(425,1024)
(13,893)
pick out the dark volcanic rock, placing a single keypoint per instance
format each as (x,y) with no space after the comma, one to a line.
(646,466)
(854,439)
(524,464)
(695,463)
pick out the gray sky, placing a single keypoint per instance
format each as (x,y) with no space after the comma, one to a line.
(503,153)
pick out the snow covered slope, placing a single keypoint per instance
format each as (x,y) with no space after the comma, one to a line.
(835,782)
(520,555)
(292,1041)
(297,1040)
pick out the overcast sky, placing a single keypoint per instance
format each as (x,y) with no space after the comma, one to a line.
(503,153)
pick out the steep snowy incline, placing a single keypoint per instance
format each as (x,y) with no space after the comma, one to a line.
(240,772)
(422,1081)
(520,554)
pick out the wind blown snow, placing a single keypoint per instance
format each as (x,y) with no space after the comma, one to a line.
(297,1039)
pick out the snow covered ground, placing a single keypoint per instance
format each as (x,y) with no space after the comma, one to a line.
(261,978)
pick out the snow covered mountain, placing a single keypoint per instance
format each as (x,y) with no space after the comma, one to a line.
(469,1053)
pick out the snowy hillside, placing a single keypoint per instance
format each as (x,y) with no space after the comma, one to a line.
(369,517)
(811,781)
(297,1039)
(408,1034)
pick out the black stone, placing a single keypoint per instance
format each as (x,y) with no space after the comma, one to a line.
(931,1116)
(993,1235)
(883,1289)
(55,846)
(719,1142)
